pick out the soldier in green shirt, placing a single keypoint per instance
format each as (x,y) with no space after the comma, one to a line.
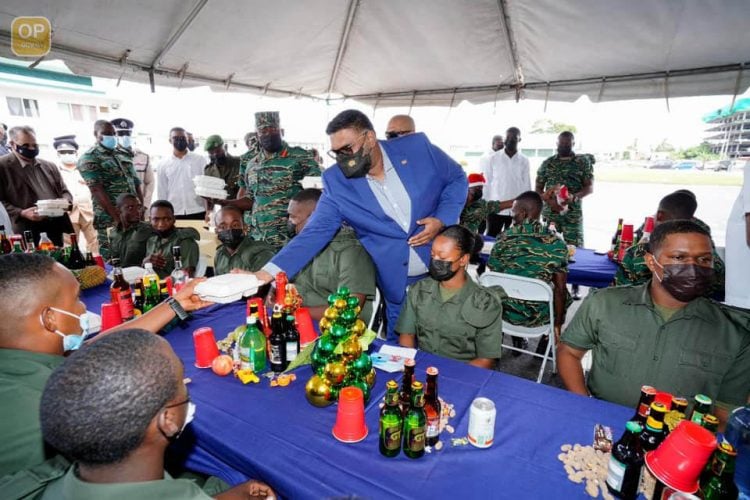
(253,149)
(223,165)
(43,318)
(271,179)
(237,249)
(108,172)
(166,235)
(128,238)
(343,262)
(447,313)
(678,205)
(528,249)
(477,209)
(121,452)
(663,333)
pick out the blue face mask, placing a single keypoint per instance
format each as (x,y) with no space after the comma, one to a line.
(109,141)
(125,141)
(71,342)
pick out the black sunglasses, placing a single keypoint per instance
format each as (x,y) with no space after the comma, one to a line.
(346,150)
(393,134)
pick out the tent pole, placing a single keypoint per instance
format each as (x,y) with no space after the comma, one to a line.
(510,39)
(546,98)
(737,86)
(666,91)
(177,34)
(343,43)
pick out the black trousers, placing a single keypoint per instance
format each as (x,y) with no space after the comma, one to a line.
(196,216)
(496,224)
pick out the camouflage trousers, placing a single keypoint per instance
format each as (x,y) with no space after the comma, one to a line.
(103,237)
(569,224)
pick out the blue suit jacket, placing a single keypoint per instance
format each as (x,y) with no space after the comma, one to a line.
(437,187)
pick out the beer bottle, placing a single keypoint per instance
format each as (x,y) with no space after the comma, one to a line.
(17,247)
(179,276)
(676,415)
(648,394)
(90,259)
(432,407)
(76,260)
(252,346)
(292,339)
(277,344)
(45,244)
(625,463)
(701,406)
(391,422)
(138,299)
(653,434)
(710,423)
(415,423)
(406,381)
(152,293)
(28,241)
(120,292)
(5,246)
(719,485)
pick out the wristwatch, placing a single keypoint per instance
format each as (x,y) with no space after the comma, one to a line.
(181,314)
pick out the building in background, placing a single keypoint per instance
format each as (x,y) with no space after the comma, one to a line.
(729,134)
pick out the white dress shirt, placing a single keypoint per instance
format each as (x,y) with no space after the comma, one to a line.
(737,252)
(174,182)
(506,176)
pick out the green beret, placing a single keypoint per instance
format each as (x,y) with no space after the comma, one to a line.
(266,119)
(213,141)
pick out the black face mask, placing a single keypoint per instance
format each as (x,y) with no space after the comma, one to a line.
(564,151)
(356,164)
(440,270)
(27,152)
(191,146)
(231,237)
(686,282)
(291,229)
(476,195)
(271,143)
(219,160)
(164,234)
(180,143)
(511,144)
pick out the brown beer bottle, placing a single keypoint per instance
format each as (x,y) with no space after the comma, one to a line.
(406,381)
(432,407)
(120,292)
(648,394)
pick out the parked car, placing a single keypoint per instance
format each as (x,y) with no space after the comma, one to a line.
(686,165)
(665,164)
(723,165)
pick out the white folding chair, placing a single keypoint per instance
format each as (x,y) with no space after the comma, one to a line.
(375,307)
(519,287)
(201,266)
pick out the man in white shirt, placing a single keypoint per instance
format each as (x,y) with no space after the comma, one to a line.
(738,248)
(82,214)
(175,178)
(507,175)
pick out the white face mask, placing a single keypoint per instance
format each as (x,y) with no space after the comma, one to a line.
(69,158)
(125,141)
(72,341)
(190,415)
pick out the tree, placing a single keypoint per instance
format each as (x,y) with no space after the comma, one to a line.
(700,152)
(545,126)
(664,147)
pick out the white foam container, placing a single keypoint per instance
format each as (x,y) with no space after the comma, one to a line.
(209,182)
(130,274)
(227,288)
(218,194)
(309,182)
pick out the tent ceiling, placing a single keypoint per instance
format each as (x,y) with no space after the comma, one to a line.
(416,52)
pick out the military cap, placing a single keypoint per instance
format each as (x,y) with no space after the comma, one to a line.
(122,124)
(266,119)
(213,141)
(65,140)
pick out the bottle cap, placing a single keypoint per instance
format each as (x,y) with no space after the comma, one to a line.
(634,427)
(410,362)
(391,384)
(703,399)
(432,370)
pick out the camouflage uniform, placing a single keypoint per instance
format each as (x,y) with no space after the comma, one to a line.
(529,250)
(246,158)
(571,173)
(114,171)
(229,171)
(184,237)
(474,215)
(271,181)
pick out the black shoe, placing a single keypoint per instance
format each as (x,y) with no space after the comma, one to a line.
(520,343)
(576,294)
(541,347)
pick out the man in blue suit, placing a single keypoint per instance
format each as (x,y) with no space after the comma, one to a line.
(396,195)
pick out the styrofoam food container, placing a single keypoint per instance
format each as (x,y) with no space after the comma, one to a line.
(130,274)
(227,288)
(208,181)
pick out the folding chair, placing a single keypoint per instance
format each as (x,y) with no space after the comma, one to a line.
(201,266)
(519,287)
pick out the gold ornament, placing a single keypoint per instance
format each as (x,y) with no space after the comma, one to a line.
(325,324)
(331,313)
(359,327)
(335,373)
(370,378)
(318,391)
(340,304)
(351,349)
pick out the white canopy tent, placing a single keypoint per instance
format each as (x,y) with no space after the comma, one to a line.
(415,52)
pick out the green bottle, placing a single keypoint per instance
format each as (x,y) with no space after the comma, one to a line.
(252,347)
(719,485)
(415,423)
(17,247)
(390,422)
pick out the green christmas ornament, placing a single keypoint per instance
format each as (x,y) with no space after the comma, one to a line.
(343,292)
(338,332)
(334,393)
(361,366)
(332,299)
(352,302)
(348,317)
(326,345)
(318,360)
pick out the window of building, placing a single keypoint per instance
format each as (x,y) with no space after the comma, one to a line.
(78,112)
(18,106)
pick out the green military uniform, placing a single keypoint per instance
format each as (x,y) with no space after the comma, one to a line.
(70,487)
(114,171)
(271,180)
(572,173)
(463,326)
(229,171)
(634,271)
(245,159)
(701,349)
(251,256)
(129,245)
(23,375)
(184,237)
(529,250)
(343,262)
(475,214)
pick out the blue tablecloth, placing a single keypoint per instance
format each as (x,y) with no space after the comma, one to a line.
(589,269)
(275,435)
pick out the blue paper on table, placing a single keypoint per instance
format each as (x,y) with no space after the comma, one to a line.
(391,358)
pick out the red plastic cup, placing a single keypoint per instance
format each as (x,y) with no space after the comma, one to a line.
(648,226)
(111,316)
(664,398)
(305,326)
(350,420)
(627,233)
(205,347)
(680,459)
(99,261)
(564,192)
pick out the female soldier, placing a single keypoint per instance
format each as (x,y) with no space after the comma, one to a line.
(449,314)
